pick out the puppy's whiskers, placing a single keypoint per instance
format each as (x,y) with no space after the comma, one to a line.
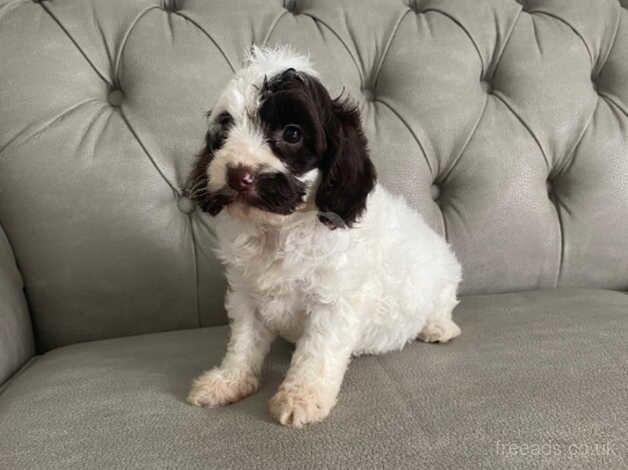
(198,189)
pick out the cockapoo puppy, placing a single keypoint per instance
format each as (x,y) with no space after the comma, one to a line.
(315,251)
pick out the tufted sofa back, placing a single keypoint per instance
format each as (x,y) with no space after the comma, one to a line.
(505,125)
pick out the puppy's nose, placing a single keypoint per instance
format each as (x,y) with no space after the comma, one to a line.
(240,178)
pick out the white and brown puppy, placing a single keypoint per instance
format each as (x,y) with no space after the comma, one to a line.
(315,251)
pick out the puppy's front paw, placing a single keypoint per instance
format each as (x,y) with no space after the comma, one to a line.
(439,331)
(219,387)
(296,405)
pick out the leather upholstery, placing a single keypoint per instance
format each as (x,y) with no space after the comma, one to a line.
(531,369)
(505,124)
(16,334)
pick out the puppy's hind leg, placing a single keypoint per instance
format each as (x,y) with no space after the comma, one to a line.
(439,327)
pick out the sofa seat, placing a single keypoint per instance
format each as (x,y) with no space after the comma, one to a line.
(545,368)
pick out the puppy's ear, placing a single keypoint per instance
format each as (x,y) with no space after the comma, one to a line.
(196,185)
(348,175)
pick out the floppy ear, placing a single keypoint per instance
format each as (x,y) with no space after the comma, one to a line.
(196,186)
(348,175)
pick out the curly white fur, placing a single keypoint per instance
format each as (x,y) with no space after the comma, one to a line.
(335,293)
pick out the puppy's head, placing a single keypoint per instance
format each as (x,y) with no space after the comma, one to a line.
(278,144)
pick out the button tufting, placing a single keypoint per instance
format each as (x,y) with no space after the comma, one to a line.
(435,191)
(368,94)
(115,97)
(486,86)
(291,6)
(170,5)
(186,205)
(549,186)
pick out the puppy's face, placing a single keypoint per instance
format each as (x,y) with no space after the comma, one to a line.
(278,144)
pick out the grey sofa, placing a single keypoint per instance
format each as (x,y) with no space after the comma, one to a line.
(504,124)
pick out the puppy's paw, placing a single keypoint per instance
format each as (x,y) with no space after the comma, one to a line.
(439,331)
(297,405)
(218,387)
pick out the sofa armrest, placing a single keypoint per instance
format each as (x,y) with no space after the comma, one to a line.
(16,334)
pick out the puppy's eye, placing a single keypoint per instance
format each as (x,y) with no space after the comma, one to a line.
(292,134)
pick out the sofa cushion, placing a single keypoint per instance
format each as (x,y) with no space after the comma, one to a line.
(544,368)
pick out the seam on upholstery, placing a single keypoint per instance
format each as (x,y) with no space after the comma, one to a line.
(110,54)
(416,138)
(504,100)
(104,107)
(273,26)
(454,163)
(613,99)
(613,41)
(4,385)
(570,26)
(563,205)
(100,134)
(46,124)
(125,39)
(561,250)
(391,37)
(344,44)
(209,36)
(464,30)
(170,29)
(556,202)
(536,36)
(152,160)
(500,53)
(76,44)
(568,161)
(357,49)
(196,271)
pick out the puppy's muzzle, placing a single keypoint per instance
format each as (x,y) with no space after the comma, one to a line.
(275,192)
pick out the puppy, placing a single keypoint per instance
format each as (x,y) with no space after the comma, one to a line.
(315,251)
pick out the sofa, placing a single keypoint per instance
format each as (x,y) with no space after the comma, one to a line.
(504,123)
